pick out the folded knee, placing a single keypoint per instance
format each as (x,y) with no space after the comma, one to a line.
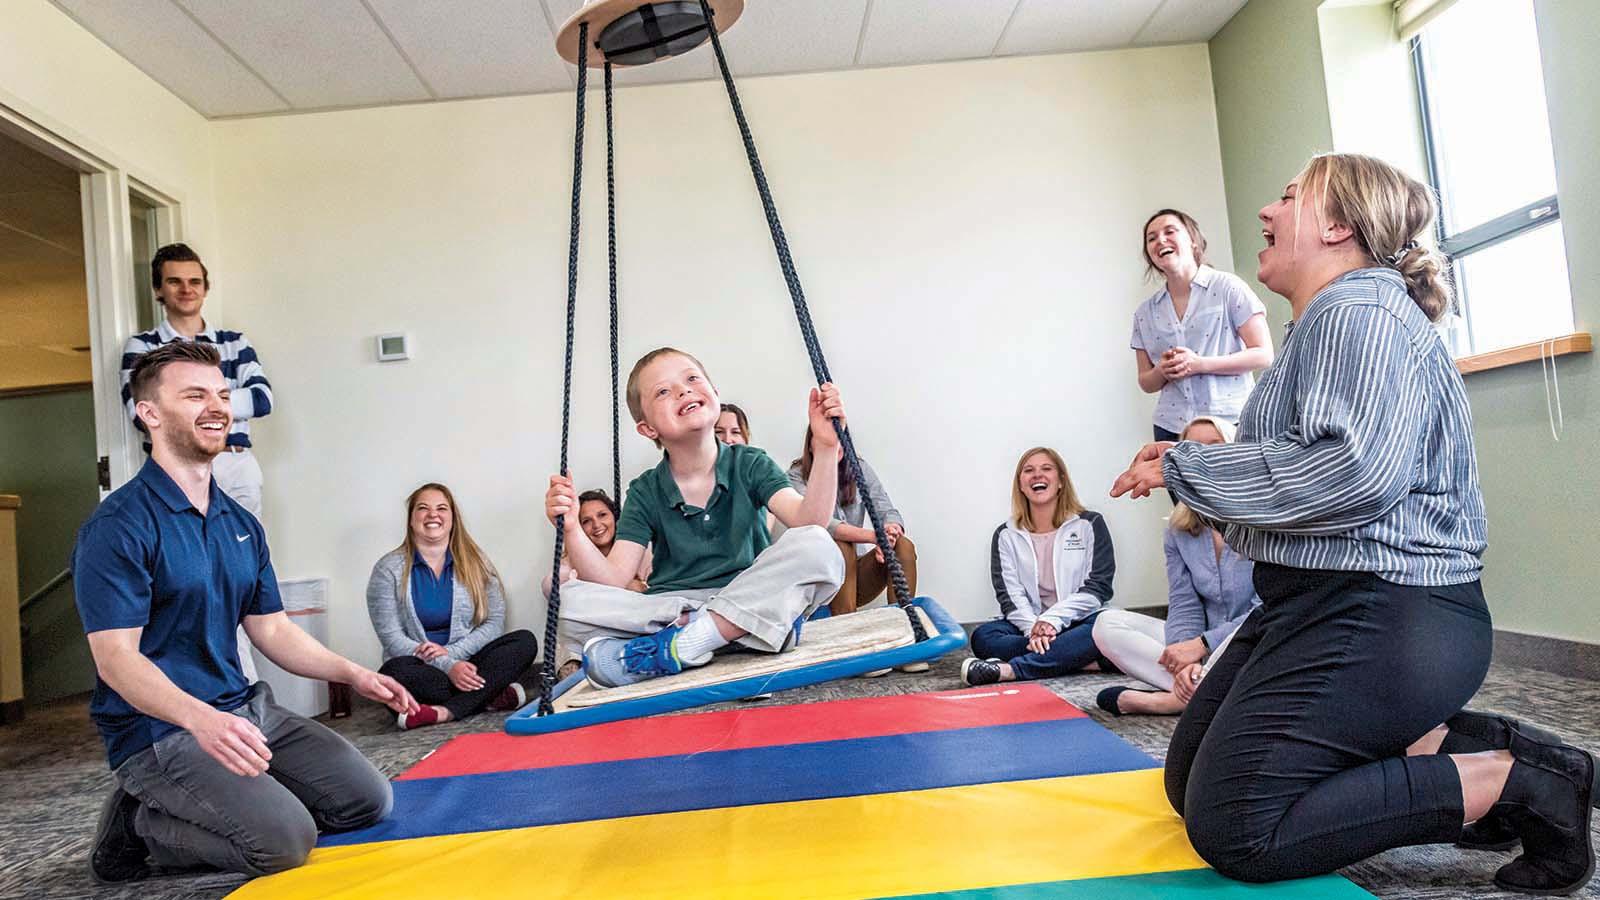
(526,644)
(814,541)
(1228,845)
(363,801)
(280,844)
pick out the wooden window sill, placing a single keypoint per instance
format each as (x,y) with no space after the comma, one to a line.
(1510,356)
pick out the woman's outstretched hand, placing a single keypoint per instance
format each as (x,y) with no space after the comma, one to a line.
(1144,473)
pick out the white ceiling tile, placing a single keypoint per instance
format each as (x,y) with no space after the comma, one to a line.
(794,36)
(474,48)
(167,45)
(1186,21)
(1061,26)
(901,32)
(316,53)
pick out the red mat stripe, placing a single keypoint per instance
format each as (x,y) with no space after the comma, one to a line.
(754,726)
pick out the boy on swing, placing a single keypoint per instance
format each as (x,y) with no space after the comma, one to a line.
(719,578)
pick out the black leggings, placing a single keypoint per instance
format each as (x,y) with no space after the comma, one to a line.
(1290,760)
(502,661)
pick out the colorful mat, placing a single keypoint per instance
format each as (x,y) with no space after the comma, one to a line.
(984,793)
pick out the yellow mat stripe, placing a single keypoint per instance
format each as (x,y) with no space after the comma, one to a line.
(870,846)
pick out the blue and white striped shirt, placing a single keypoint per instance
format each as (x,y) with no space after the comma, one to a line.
(1355,449)
(252,393)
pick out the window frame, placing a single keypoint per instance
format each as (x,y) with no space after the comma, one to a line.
(1459,245)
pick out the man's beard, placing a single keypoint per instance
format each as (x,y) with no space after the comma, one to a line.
(186,445)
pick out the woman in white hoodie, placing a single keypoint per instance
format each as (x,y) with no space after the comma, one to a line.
(1052,566)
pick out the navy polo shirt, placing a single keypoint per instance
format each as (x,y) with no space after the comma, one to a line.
(148,559)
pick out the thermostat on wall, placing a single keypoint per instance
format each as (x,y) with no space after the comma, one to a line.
(393,346)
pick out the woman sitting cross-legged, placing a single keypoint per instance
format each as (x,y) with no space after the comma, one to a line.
(866,573)
(438,607)
(1209,593)
(1052,565)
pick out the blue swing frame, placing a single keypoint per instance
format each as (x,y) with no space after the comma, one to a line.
(950,636)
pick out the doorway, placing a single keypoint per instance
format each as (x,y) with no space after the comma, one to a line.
(47,408)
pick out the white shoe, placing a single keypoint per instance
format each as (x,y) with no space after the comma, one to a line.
(876,673)
(913,668)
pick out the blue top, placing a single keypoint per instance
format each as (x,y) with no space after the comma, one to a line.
(1219,305)
(433,598)
(1355,450)
(148,559)
(1206,596)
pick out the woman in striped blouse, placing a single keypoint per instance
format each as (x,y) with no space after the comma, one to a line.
(1316,740)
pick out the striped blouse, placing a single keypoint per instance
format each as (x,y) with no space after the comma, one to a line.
(1355,449)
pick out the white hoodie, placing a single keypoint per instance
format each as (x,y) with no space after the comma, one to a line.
(1084,567)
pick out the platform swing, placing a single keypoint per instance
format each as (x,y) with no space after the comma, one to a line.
(634,34)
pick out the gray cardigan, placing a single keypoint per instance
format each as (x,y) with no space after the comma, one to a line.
(856,513)
(399,630)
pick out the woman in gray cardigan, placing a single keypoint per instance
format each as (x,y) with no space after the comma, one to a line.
(866,575)
(439,610)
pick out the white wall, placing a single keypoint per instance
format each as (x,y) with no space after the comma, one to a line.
(968,235)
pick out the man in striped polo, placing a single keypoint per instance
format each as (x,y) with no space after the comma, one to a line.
(181,283)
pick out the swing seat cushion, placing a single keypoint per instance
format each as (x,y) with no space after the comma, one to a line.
(832,648)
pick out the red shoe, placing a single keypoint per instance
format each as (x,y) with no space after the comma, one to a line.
(513,697)
(425,715)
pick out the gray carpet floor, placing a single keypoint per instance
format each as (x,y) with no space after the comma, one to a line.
(53,779)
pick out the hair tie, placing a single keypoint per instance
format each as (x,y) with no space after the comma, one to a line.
(1396,257)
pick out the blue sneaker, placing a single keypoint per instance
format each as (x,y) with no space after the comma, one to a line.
(613,662)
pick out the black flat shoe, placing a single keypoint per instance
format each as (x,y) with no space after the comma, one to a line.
(118,854)
(1107,699)
(1548,798)
(1494,832)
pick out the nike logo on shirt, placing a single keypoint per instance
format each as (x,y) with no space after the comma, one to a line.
(241,538)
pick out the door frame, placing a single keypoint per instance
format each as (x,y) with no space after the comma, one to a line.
(104,186)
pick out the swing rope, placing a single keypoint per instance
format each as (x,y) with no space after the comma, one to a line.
(547,681)
(901,589)
(611,251)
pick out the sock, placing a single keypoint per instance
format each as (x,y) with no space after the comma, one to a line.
(426,715)
(698,639)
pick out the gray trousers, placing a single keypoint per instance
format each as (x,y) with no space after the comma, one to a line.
(193,812)
(800,572)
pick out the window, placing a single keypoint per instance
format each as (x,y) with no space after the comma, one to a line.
(1489,156)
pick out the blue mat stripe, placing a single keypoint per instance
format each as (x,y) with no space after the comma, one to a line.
(637,787)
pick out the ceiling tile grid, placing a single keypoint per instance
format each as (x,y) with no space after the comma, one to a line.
(904,32)
(316,53)
(253,57)
(1181,21)
(164,41)
(475,48)
(1062,26)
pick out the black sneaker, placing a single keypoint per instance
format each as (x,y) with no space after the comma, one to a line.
(1547,798)
(119,854)
(980,671)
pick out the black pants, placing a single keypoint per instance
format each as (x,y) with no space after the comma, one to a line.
(1162,434)
(1290,760)
(502,661)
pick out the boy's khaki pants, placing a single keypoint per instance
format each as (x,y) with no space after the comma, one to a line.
(800,572)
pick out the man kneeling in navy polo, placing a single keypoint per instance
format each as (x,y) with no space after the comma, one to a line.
(165,570)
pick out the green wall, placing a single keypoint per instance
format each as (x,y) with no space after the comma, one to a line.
(47,456)
(1543,495)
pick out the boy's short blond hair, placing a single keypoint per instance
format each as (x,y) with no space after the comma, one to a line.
(635,406)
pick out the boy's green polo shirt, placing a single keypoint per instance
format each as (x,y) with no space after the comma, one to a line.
(696,548)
